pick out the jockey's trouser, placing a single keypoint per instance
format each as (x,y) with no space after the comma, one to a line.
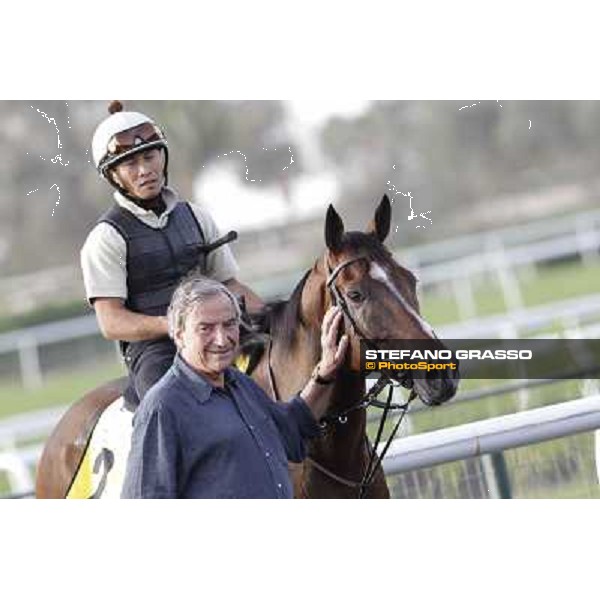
(147,362)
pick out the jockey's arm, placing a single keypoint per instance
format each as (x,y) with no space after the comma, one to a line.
(253,303)
(119,323)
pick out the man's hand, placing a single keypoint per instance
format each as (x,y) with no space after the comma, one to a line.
(317,392)
(333,353)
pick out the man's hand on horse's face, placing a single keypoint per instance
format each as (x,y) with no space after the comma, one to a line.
(332,352)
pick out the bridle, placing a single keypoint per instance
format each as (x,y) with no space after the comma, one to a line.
(385,379)
(369,399)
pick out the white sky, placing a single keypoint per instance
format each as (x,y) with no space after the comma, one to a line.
(248,205)
(314,112)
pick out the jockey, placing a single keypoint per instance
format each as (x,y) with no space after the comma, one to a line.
(134,257)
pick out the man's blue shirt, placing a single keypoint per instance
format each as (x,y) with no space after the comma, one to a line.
(195,440)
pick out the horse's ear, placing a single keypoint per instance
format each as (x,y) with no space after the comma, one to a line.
(380,225)
(334,229)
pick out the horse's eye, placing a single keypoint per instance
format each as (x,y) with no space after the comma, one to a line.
(355,296)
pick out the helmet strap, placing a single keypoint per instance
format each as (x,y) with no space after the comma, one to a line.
(166,169)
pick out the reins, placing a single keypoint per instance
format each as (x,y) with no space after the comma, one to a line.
(375,460)
(369,399)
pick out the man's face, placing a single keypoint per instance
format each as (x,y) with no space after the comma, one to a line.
(142,174)
(209,339)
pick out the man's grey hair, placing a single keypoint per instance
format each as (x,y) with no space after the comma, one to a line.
(189,293)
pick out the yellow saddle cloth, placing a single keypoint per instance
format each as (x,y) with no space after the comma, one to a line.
(102,468)
(242,362)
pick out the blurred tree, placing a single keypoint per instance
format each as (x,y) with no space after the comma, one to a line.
(200,132)
(40,161)
(451,158)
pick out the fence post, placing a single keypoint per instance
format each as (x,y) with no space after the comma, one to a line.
(29,361)
(586,240)
(17,472)
(505,272)
(496,475)
(464,296)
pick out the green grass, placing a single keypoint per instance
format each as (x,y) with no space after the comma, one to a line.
(60,389)
(556,469)
(561,282)
(50,312)
(560,468)
(573,491)
(544,285)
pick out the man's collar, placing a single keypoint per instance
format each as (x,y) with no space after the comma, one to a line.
(201,387)
(169,197)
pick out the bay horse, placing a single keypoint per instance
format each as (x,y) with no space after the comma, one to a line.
(379,301)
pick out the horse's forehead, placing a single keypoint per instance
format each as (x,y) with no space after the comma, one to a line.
(377,272)
(392,278)
(374,264)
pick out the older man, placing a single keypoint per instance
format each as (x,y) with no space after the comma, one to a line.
(206,430)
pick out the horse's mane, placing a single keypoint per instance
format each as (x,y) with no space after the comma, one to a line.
(281,317)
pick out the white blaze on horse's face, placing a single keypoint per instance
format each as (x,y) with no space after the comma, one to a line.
(378,273)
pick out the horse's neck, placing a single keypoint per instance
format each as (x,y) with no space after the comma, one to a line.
(293,365)
(342,448)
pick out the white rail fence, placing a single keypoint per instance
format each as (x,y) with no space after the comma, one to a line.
(21,291)
(489,436)
(17,453)
(487,253)
(501,262)
(578,224)
(517,323)
(493,435)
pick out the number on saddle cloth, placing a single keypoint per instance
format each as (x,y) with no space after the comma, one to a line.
(102,469)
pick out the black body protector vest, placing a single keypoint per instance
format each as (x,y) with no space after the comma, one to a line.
(157,259)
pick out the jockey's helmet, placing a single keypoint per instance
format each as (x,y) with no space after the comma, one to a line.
(122,134)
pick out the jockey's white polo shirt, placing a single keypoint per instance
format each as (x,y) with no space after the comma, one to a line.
(104,253)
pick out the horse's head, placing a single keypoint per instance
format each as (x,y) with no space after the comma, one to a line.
(378,296)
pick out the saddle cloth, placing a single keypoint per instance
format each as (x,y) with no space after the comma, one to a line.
(102,468)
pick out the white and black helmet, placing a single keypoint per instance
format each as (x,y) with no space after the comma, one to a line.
(122,134)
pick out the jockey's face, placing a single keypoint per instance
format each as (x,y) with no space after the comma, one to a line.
(209,339)
(142,174)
